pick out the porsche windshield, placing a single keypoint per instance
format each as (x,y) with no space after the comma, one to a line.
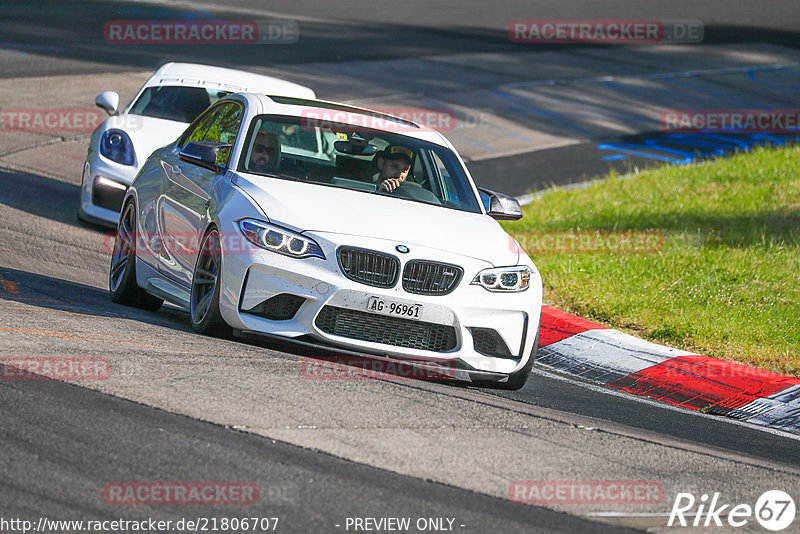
(357,158)
(175,103)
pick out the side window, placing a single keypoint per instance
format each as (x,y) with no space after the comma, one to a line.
(224,129)
(197,129)
(447,184)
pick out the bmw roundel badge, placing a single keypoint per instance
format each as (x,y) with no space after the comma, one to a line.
(402,249)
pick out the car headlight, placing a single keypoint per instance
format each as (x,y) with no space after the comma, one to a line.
(117,146)
(504,278)
(280,240)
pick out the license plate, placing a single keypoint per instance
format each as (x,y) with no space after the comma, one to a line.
(393,308)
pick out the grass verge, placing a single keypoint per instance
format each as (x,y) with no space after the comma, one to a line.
(726,280)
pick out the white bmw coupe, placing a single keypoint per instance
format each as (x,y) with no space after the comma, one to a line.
(332,225)
(169,100)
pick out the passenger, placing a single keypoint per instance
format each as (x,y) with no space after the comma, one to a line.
(265,156)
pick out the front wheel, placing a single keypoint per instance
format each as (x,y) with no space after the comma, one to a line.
(517,379)
(206,285)
(122,273)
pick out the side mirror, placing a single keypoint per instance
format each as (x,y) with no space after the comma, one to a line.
(499,206)
(109,101)
(206,154)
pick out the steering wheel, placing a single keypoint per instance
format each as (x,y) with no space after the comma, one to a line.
(414,191)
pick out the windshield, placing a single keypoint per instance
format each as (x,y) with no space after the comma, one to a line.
(359,159)
(175,103)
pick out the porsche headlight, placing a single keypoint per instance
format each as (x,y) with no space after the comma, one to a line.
(117,146)
(504,279)
(280,240)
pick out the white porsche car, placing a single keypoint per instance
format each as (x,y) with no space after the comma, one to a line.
(169,100)
(365,233)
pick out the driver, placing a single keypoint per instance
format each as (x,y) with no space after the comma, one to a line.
(394,164)
(265,155)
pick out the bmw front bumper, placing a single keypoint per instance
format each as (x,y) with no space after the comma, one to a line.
(269,293)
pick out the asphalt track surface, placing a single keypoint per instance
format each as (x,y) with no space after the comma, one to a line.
(82,439)
(349,31)
(61,442)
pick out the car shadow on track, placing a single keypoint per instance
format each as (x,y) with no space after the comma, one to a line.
(42,196)
(56,294)
(320,363)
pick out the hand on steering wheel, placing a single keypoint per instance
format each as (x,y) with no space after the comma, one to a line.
(390,184)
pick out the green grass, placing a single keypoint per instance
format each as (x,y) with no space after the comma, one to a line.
(727,281)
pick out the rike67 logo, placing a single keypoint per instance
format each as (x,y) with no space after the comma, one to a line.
(774,510)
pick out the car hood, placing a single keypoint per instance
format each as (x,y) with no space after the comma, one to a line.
(147,133)
(309,208)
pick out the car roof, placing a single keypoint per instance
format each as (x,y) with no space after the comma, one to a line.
(193,74)
(327,112)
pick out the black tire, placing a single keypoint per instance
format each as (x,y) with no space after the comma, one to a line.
(517,379)
(206,283)
(122,271)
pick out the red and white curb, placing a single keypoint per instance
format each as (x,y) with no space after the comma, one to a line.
(593,352)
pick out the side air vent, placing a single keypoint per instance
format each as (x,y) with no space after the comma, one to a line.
(278,308)
(489,343)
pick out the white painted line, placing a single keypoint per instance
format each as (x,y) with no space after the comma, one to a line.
(525,150)
(661,75)
(633,514)
(779,410)
(536,195)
